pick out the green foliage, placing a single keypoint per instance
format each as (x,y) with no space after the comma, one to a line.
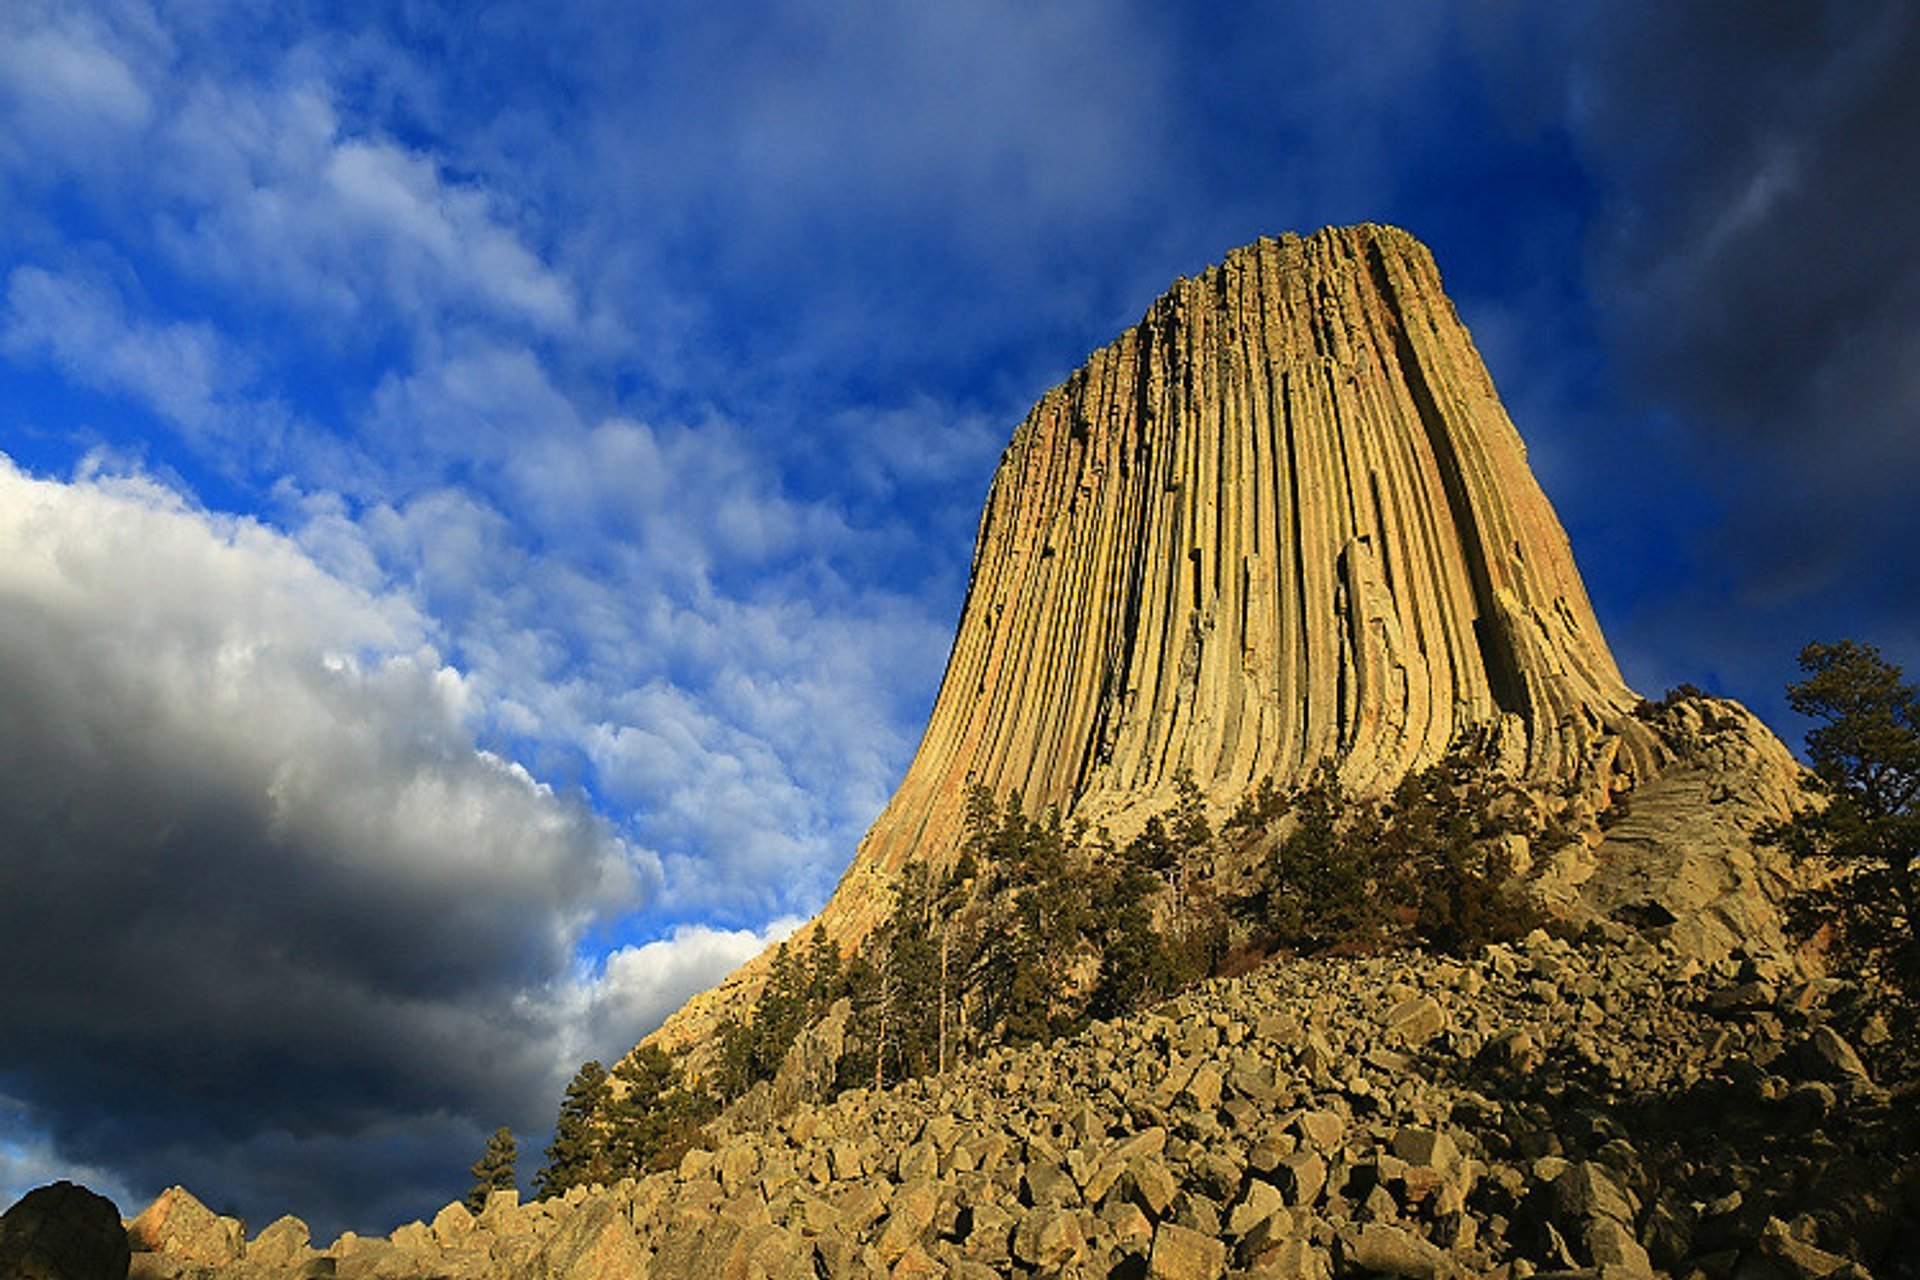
(1042,924)
(1258,809)
(823,971)
(1443,830)
(1136,965)
(1425,868)
(1865,748)
(1332,881)
(642,1117)
(653,1118)
(578,1155)
(493,1171)
(780,1014)
(909,973)
(797,992)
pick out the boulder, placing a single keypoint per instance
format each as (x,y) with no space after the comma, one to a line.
(1048,1237)
(595,1242)
(1415,1020)
(1389,1250)
(284,1242)
(179,1226)
(63,1232)
(1183,1254)
(1837,1058)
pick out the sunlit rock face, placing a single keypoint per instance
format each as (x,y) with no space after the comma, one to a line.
(1283,520)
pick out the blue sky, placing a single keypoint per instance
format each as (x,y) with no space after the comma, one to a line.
(488,488)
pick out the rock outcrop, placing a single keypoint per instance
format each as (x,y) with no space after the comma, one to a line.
(1611,1108)
(1281,521)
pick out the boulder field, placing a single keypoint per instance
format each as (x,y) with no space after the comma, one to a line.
(1607,1108)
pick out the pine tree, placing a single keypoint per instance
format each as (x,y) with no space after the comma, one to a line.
(1330,881)
(823,974)
(1191,833)
(1865,749)
(493,1171)
(635,1116)
(578,1156)
(652,1117)
(780,1014)
(1134,966)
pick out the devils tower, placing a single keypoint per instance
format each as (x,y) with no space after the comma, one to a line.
(1282,520)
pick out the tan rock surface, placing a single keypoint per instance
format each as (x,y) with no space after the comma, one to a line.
(178,1226)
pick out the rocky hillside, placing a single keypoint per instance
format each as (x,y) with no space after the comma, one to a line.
(1607,1108)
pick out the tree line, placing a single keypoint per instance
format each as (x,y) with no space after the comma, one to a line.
(1041,925)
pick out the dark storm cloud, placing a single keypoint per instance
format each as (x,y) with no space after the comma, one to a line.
(264,909)
(1757,262)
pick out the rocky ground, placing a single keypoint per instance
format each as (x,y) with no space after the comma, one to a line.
(1606,1109)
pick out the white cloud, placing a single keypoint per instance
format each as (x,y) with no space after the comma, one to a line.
(264,190)
(634,989)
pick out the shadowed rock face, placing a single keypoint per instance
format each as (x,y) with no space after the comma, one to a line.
(1283,519)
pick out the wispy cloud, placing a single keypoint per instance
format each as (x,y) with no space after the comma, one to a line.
(186,374)
(264,190)
(71,91)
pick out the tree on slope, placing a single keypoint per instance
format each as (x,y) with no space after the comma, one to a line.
(1865,749)
(653,1117)
(493,1171)
(578,1156)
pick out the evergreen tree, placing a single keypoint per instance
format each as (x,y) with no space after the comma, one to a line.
(982,825)
(823,974)
(1138,964)
(1865,749)
(652,1117)
(780,1014)
(1454,879)
(864,990)
(733,1075)
(578,1156)
(1191,833)
(636,1116)
(910,983)
(1258,808)
(493,1171)
(1331,881)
